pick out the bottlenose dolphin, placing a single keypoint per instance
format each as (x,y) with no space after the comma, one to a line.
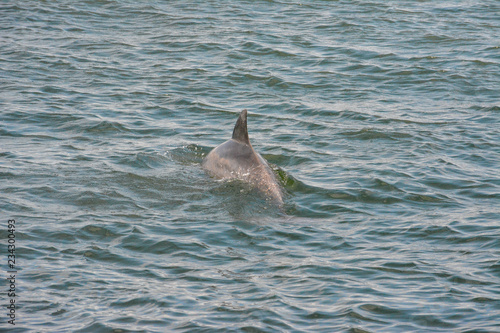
(236,159)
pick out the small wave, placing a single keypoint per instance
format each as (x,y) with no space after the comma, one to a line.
(373,134)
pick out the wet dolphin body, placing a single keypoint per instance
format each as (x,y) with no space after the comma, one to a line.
(236,158)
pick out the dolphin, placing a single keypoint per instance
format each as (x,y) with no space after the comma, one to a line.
(236,159)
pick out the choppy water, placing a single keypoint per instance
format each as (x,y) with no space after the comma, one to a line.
(381,118)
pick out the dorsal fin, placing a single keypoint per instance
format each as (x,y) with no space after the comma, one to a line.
(240,132)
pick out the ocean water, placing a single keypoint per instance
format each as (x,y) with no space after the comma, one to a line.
(380,118)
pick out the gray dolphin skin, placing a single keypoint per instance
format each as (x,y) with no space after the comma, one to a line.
(236,158)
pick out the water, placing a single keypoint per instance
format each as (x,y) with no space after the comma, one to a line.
(380,117)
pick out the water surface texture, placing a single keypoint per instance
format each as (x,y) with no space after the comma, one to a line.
(381,119)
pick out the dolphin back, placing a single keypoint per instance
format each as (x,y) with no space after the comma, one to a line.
(236,159)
